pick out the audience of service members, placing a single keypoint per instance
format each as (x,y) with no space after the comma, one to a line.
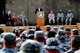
(35,40)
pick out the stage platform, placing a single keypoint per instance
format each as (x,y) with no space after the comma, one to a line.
(9,28)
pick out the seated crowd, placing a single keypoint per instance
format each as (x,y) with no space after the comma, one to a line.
(35,40)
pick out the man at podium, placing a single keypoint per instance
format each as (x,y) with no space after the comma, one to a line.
(38,9)
(40,20)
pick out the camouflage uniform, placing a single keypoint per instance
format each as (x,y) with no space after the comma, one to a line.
(69,17)
(60,18)
(51,17)
(9,43)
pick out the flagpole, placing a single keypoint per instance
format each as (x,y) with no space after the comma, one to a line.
(40,3)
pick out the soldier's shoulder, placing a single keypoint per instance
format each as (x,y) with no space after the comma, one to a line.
(69,51)
(78,51)
(2,51)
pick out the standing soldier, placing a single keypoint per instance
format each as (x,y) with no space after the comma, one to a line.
(9,43)
(60,17)
(69,17)
(51,17)
(9,18)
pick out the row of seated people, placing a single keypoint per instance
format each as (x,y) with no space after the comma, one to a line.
(61,18)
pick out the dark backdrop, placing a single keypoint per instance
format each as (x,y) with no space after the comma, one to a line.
(2,11)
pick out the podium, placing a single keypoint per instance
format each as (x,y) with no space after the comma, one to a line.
(40,20)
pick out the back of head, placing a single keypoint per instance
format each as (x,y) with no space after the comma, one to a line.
(75,43)
(51,34)
(62,32)
(68,31)
(37,28)
(31,31)
(9,40)
(51,44)
(15,30)
(30,46)
(30,36)
(62,38)
(75,32)
(48,28)
(39,36)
